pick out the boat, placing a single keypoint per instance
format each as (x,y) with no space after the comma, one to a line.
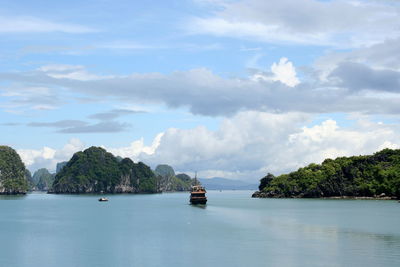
(198,195)
(103,199)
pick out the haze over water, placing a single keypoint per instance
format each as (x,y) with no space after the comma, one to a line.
(164,230)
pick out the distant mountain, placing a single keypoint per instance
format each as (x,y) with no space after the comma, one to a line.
(218,183)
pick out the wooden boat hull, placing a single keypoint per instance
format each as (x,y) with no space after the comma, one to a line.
(196,201)
(198,195)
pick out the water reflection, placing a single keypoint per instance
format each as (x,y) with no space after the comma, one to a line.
(231,230)
(199,206)
(12,197)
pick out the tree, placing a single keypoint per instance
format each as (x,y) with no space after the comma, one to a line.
(265,181)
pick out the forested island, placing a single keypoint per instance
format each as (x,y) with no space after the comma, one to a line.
(13,175)
(42,180)
(93,170)
(97,171)
(373,176)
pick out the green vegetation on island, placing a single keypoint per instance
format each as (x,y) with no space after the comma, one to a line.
(376,175)
(60,165)
(13,175)
(93,170)
(168,181)
(97,171)
(43,180)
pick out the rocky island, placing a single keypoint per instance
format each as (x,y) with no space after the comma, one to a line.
(42,180)
(170,182)
(95,170)
(13,175)
(371,176)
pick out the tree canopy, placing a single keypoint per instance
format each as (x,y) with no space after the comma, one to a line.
(13,175)
(367,176)
(96,170)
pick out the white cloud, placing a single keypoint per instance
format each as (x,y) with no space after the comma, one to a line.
(251,144)
(337,23)
(284,72)
(136,148)
(27,24)
(47,157)
(73,72)
(204,92)
(252,30)
(27,98)
(246,146)
(382,56)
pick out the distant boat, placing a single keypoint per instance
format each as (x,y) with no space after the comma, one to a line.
(198,195)
(103,199)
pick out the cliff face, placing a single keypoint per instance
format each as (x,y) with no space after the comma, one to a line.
(97,171)
(43,180)
(60,165)
(375,175)
(169,182)
(13,175)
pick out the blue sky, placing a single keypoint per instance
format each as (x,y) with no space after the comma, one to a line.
(225,88)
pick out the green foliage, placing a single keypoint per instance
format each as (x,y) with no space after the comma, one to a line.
(164,170)
(60,165)
(95,170)
(184,177)
(167,180)
(140,175)
(344,176)
(29,179)
(265,181)
(13,175)
(44,179)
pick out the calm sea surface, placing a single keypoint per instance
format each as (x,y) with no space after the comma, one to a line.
(163,230)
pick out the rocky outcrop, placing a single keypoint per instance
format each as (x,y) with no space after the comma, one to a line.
(13,175)
(97,171)
(43,180)
(60,165)
(260,194)
(169,182)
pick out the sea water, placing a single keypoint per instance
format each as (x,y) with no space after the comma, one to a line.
(233,229)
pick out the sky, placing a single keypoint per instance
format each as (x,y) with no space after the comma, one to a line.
(224,88)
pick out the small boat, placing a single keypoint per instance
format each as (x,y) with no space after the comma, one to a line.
(198,195)
(103,199)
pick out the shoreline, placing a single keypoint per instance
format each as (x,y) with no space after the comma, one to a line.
(259,194)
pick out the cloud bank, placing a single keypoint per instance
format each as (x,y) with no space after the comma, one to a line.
(246,146)
(310,22)
(346,88)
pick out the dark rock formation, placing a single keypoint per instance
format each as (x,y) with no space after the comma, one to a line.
(169,182)
(97,171)
(43,179)
(60,165)
(164,170)
(13,175)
